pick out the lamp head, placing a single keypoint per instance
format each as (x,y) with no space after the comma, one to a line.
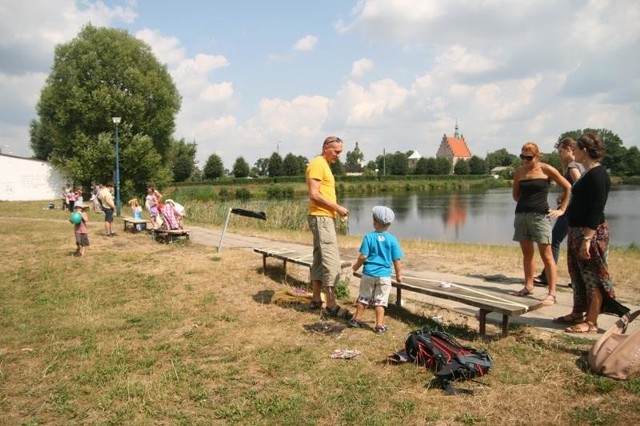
(116,120)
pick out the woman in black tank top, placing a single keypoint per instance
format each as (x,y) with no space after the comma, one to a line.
(532,223)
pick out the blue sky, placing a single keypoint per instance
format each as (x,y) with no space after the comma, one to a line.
(258,76)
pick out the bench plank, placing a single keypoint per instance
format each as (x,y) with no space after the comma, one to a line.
(289,255)
(170,235)
(485,300)
(130,224)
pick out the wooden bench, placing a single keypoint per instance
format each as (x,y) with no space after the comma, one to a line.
(485,300)
(134,225)
(289,255)
(170,236)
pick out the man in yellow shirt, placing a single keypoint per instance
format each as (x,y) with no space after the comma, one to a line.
(323,209)
(108,206)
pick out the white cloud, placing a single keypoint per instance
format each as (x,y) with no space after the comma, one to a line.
(168,50)
(306,43)
(360,68)
(406,70)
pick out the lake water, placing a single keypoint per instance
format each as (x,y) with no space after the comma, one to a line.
(480,217)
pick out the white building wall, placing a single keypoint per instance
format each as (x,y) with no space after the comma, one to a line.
(23,179)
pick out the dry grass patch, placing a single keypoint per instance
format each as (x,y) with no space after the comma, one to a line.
(144,333)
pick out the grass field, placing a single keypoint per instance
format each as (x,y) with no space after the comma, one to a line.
(142,333)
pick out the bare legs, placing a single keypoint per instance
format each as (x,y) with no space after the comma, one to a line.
(551,270)
(316,290)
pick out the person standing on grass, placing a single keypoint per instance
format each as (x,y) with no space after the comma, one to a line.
(151,202)
(532,222)
(323,209)
(378,252)
(589,242)
(571,171)
(81,231)
(108,207)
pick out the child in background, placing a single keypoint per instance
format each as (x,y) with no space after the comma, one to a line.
(81,231)
(378,251)
(136,211)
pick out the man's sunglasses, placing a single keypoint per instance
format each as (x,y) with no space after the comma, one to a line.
(527,157)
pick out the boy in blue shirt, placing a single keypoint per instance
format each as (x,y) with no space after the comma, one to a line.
(378,251)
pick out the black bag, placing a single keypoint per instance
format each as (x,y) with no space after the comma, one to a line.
(448,359)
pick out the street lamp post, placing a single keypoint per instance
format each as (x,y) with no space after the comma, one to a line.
(116,121)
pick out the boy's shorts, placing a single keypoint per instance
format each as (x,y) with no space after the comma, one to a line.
(82,240)
(374,291)
(534,227)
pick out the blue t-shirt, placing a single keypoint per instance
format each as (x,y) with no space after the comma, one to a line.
(381,249)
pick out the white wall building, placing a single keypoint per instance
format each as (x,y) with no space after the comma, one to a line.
(24,179)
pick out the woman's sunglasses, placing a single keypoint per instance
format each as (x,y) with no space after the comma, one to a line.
(527,157)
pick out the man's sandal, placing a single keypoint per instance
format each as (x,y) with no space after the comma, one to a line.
(338,312)
(315,304)
(582,327)
(524,292)
(572,318)
(549,300)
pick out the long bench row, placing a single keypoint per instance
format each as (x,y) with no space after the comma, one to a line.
(486,301)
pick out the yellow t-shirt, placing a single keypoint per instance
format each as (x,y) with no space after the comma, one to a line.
(318,169)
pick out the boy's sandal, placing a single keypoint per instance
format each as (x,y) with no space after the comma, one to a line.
(338,312)
(381,329)
(549,300)
(523,292)
(572,318)
(582,327)
(315,304)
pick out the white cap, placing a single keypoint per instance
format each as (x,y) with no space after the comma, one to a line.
(383,215)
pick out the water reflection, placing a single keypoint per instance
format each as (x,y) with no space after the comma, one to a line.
(478,217)
(455,214)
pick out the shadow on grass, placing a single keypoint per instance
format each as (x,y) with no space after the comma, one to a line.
(276,274)
(417,321)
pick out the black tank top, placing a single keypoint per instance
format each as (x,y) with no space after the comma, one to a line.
(533,196)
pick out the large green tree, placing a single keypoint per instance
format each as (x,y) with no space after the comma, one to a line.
(614,150)
(240,168)
(274,168)
(214,168)
(294,165)
(260,167)
(183,160)
(100,74)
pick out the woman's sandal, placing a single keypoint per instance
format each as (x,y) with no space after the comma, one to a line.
(338,312)
(572,318)
(549,300)
(524,292)
(582,327)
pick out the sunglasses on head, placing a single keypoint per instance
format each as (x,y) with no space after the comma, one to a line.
(527,157)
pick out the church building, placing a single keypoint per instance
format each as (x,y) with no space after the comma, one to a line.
(453,148)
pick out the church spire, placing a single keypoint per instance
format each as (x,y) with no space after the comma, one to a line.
(456,134)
